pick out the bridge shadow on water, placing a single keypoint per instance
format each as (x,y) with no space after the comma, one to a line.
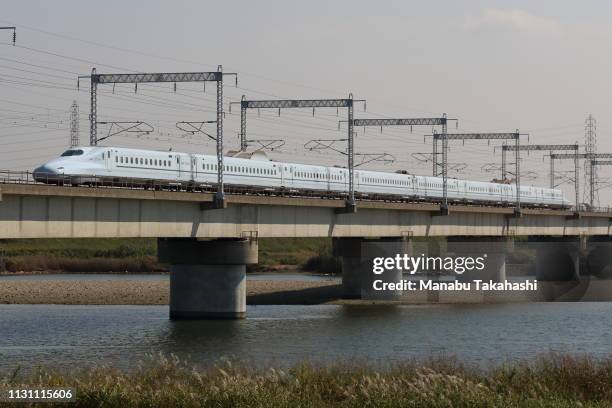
(306,296)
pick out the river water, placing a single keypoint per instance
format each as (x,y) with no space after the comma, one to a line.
(61,336)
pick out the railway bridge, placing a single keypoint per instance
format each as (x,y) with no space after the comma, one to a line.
(208,248)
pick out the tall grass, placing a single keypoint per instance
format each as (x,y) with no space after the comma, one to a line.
(133,255)
(550,381)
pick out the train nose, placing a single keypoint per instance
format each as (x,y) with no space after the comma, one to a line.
(44,173)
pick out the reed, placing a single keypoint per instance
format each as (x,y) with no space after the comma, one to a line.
(553,380)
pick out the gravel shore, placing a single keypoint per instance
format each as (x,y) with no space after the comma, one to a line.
(276,292)
(148,292)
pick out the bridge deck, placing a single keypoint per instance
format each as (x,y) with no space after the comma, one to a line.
(38,210)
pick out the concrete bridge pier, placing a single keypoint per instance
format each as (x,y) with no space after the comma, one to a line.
(599,259)
(558,258)
(207,278)
(349,249)
(357,266)
(493,250)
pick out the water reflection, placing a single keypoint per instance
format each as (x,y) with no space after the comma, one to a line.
(75,336)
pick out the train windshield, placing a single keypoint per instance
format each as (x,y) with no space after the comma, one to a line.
(72,153)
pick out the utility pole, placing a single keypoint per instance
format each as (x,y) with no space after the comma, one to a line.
(445,137)
(279,104)
(214,76)
(590,147)
(74,124)
(550,148)
(442,121)
(591,159)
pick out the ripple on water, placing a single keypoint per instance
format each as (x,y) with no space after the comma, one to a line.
(75,336)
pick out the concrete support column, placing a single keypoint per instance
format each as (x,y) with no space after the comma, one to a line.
(357,257)
(207,278)
(558,259)
(385,248)
(599,258)
(492,249)
(433,249)
(349,249)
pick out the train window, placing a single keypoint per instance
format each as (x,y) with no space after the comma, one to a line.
(116,159)
(72,153)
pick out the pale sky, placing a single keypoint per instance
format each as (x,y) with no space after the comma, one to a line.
(538,66)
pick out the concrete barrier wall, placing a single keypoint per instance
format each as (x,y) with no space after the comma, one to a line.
(42,216)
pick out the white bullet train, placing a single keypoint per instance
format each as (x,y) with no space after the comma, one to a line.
(254,171)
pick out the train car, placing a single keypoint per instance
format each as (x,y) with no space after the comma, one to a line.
(116,165)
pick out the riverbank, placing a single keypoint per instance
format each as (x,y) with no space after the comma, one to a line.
(264,291)
(108,255)
(550,381)
(152,292)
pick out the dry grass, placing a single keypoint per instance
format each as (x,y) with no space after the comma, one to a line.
(44,263)
(550,381)
(137,255)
